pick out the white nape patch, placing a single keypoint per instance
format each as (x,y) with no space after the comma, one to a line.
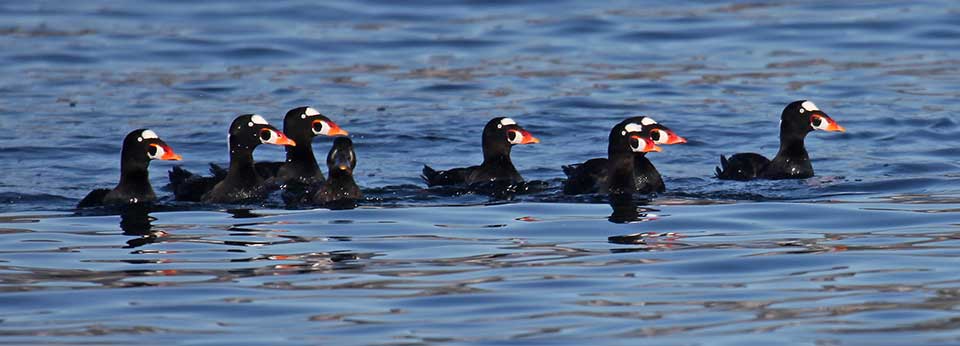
(648,121)
(507,121)
(257,119)
(147,134)
(809,106)
(633,127)
(310,112)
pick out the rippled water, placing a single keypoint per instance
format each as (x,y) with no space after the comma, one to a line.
(863,253)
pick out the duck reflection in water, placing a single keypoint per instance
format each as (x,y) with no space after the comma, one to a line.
(136,221)
(242,213)
(626,209)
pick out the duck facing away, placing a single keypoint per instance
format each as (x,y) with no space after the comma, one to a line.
(241,182)
(499,136)
(792,161)
(339,186)
(139,148)
(615,174)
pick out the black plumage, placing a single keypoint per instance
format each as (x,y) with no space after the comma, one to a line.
(792,161)
(241,183)
(499,136)
(591,175)
(139,148)
(339,185)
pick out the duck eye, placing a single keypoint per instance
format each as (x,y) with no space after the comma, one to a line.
(816,121)
(318,127)
(152,150)
(265,135)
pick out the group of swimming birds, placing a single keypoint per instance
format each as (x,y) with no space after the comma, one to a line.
(626,169)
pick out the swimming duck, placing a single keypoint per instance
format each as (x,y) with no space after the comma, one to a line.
(241,182)
(617,174)
(586,177)
(499,136)
(139,148)
(792,162)
(301,125)
(339,186)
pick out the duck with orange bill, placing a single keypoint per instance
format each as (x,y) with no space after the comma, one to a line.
(139,148)
(792,161)
(302,125)
(614,175)
(240,183)
(498,138)
(587,177)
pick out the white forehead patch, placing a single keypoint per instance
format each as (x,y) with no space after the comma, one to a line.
(257,119)
(311,112)
(633,127)
(147,134)
(648,121)
(809,106)
(507,121)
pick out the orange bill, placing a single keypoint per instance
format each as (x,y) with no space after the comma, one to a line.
(335,129)
(673,138)
(648,144)
(279,138)
(169,155)
(829,124)
(527,138)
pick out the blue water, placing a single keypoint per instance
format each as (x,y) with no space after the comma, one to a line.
(863,253)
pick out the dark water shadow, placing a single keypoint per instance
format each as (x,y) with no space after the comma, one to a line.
(137,222)
(628,209)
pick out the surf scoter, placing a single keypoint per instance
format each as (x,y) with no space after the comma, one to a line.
(241,182)
(792,161)
(617,174)
(499,136)
(586,177)
(301,124)
(139,148)
(339,186)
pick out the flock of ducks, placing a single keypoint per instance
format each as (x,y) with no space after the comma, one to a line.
(625,171)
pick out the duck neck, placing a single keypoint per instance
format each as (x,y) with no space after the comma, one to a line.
(791,146)
(497,155)
(341,178)
(621,172)
(640,158)
(135,176)
(242,169)
(302,156)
